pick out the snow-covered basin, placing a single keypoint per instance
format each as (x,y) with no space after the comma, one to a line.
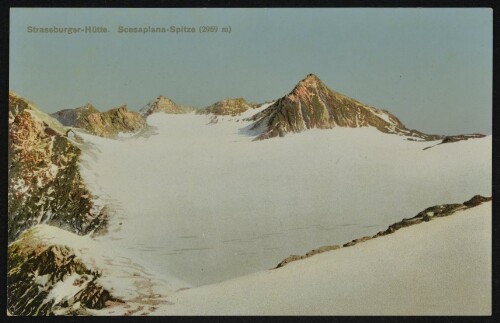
(205,203)
(441,267)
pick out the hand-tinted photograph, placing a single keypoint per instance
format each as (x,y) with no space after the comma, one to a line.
(333,161)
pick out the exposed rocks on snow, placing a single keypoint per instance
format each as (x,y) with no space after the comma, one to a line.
(424,216)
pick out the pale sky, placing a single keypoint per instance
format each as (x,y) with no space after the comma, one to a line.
(432,68)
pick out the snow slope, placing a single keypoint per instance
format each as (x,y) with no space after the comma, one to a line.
(203,203)
(442,267)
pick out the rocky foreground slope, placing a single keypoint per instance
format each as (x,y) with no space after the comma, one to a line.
(45,184)
(40,275)
(311,104)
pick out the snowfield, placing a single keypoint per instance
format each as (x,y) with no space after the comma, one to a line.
(204,203)
(442,267)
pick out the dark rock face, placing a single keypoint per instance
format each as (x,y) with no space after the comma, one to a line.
(232,107)
(45,184)
(451,139)
(94,296)
(165,105)
(476,200)
(448,139)
(426,215)
(36,269)
(311,104)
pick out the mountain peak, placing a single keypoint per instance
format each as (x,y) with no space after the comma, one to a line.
(162,104)
(159,104)
(311,104)
(312,78)
(162,98)
(308,85)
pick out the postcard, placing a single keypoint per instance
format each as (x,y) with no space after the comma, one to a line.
(250,161)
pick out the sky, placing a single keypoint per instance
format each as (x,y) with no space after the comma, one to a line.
(432,68)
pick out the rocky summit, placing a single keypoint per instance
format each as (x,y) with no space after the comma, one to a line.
(112,122)
(311,104)
(104,124)
(45,184)
(232,107)
(165,105)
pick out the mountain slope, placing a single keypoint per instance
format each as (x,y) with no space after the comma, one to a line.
(311,104)
(441,267)
(45,184)
(429,214)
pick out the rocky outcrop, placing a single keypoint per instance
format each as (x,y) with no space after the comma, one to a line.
(450,139)
(112,122)
(232,107)
(311,104)
(72,117)
(46,279)
(423,216)
(104,124)
(44,180)
(165,105)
